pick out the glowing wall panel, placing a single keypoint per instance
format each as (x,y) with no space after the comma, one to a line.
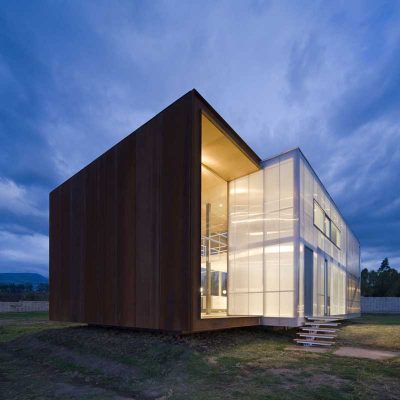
(279,230)
(271,220)
(246,234)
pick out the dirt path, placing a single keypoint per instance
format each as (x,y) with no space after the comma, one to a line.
(372,354)
(53,371)
(347,351)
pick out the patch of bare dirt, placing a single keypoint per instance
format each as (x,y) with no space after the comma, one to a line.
(75,391)
(308,349)
(23,379)
(107,367)
(212,360)
(292,379)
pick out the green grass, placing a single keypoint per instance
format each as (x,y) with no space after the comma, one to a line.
(26,316)
(378,319)
(40,359)
(372,331)
(15,324)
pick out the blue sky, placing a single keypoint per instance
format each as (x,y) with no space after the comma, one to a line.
(76,77)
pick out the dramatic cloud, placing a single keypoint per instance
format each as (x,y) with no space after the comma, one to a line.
(18,199)
(24,252)
(77,77)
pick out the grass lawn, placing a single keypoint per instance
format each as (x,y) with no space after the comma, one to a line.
(376,331)
(46,360)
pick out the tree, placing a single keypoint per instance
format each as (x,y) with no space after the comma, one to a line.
(372,279)
(394,290)
(382,283)
(386,278)
(42,287)
(384,265)
(23,291)
(365,289)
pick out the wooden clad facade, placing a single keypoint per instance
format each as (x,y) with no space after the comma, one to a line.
(125,230)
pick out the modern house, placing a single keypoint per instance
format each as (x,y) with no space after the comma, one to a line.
(182,227)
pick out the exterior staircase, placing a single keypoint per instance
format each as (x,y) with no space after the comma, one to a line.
(318,331)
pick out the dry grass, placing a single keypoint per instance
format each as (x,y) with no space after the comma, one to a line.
(376,331)
(44,360)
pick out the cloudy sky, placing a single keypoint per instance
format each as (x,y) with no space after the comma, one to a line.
(76,77)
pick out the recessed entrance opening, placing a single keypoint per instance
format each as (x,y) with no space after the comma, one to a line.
(222,161)
(308,281)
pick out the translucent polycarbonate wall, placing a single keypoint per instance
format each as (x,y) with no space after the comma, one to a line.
(279,237)
(336,267)
(275,215)
(246,235)
(262,272)
(337,290)
(353,274)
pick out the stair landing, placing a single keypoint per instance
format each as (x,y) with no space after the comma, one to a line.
(318,332)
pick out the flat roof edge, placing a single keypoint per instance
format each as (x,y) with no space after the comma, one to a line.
(226,126)
(299,151)
(180,98)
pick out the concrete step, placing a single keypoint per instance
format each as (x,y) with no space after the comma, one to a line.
(327,319)
(321,324)
(318,330)
(321,321)
(311,335)
(313,342)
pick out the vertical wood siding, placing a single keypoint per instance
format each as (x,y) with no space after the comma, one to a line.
(125,230)
(119,231)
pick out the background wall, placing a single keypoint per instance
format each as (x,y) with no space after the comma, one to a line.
(23,306)
(380,305)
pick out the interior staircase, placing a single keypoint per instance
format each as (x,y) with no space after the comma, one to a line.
(318,331)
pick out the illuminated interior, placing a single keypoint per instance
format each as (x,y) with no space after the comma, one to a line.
(273,243)
(221,155)
(222,161)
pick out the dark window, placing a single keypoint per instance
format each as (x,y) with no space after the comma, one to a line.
(214,283)
(335,234)
(325,225)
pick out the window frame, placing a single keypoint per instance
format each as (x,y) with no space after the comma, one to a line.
(339,236)
(316,204)
(323,215)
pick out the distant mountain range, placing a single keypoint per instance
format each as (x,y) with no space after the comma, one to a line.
(17,278)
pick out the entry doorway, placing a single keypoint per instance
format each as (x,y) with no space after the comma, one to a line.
(322,286)
(308,281)
(327,299)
